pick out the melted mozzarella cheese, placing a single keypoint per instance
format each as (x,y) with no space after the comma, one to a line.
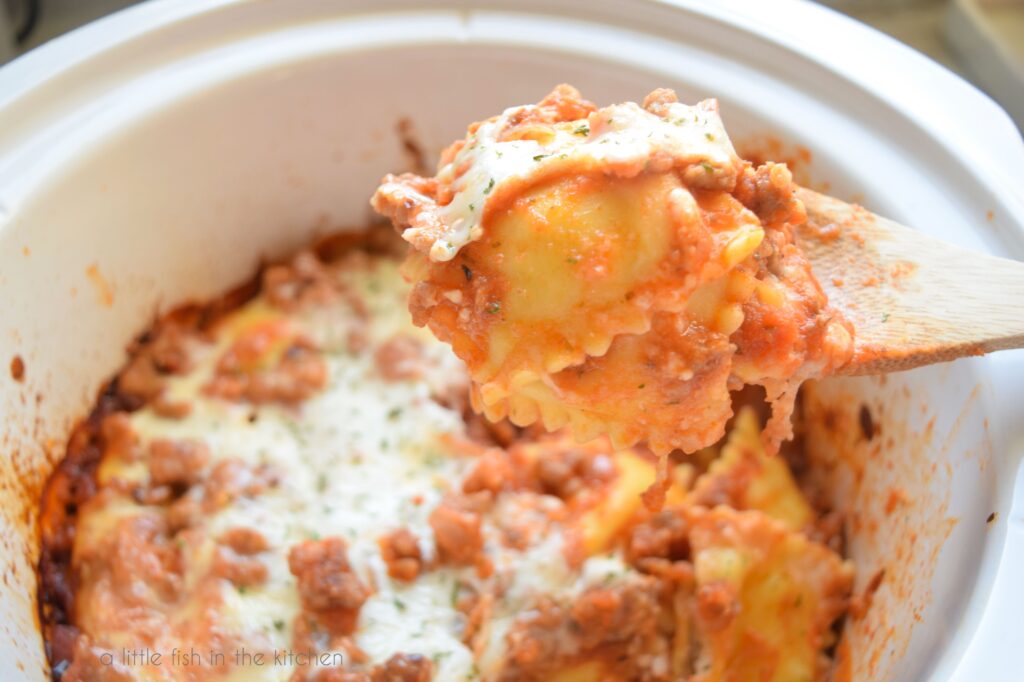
(360,459)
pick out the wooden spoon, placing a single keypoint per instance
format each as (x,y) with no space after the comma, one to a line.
(913,300)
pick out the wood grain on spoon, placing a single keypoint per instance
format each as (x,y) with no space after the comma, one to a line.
(913,300)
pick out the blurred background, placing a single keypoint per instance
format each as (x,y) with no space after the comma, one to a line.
(982,40)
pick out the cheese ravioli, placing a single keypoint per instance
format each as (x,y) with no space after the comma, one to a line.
(617,270)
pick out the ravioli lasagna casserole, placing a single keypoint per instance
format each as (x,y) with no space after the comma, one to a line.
(291,483)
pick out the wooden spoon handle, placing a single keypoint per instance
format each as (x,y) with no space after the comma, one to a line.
(913,299)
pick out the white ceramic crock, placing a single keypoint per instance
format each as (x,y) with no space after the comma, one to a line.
(157,155)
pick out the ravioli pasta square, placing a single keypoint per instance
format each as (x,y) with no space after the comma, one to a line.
(615,270)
